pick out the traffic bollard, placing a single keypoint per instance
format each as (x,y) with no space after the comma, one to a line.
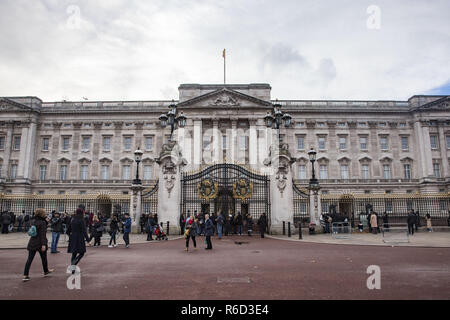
(289,229)
(284,228)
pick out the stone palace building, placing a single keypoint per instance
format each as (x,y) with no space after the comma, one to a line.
(85,150)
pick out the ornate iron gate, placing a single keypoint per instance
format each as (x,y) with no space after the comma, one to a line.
(228,188)
(149,199)
(301,204)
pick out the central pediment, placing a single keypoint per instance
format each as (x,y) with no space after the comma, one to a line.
(224,98)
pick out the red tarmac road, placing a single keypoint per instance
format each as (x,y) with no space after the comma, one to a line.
(261,269)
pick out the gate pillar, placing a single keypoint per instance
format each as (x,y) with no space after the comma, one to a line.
(281,193)
(169,191)
(135,208)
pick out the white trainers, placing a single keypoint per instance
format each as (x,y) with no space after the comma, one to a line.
(115,245)
(110,246)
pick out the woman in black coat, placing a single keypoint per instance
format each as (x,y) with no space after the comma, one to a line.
(38,243)
(77,237)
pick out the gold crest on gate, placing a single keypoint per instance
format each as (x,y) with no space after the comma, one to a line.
(243,189)
(207,189)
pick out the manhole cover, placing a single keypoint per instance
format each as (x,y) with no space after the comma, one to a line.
(233,280)
(241,242)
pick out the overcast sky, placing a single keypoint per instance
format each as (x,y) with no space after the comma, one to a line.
(133,50)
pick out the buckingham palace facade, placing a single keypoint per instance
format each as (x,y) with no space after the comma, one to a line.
(86,148)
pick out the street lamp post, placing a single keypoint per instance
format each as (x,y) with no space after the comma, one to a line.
(172,119)
(138,158)
(312,157)
(277,118)
(314,187)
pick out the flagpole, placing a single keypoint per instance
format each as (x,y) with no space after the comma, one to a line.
(224,67)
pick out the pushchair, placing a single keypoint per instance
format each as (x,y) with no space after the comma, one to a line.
(160,234)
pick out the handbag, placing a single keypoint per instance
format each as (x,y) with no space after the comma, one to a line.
(186,233)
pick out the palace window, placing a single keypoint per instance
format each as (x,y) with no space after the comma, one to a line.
(16,143)
(243,143)
(437,169)
(363,143)
(365,171)
(407,171)
(86,143)
(127,143)
(384,143)
(65,143)
(344,171)
(300,143)
(43,172)
(447,139)
(84,172)
(386,171)
(105,172)
(148,170)
(126,172)
(322,143)
(206,142)
(342,143)
(224,143)
(148,143)
(63,172)
(323,172)
(45,143)
(405,145)
(13,173)
(106,143)
(2,143)
(434,141)
(302,171)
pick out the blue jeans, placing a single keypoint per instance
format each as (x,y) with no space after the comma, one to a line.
(240,229)
(126,238)
(55,238)
(219,230)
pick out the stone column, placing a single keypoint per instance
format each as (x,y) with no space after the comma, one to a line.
(8,147)
(253,145)
(233,142)
(136,206)
(443,147)
(315,207)
(23,159)
(198,144)
(216,141)
(427,149)
(28,168)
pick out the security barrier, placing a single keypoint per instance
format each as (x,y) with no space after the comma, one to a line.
(395,233)
(341,230)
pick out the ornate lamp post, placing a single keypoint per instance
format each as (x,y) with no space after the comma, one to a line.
(172,119)
(312,157)
(138,158)
(314,197)
(277,118)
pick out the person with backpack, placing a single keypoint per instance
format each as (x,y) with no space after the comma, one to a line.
(113,229)
(77,238)
(38,243)
(57,228)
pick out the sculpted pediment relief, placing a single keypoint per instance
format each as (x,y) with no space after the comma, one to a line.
(224,98)
(9,105)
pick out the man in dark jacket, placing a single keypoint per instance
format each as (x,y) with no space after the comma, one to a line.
(6,221)
(219,221)
(127,230)
(150,226)
(262,223)
(411,220)
(239,223)
(57,229)
(38,243)
(182,223)
(20,221)
(209,231)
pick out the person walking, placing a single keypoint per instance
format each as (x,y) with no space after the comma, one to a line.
(374,223)
(26,222)
(182,223)
(219,222)
(428,219)
(20,221)
(209,231)
(6,221)
(78,237)
(38,243)
(249,225)
(411,220)
(239,223)
(191,231)
(57,228)
(417,223)
(262,223)
(127,230)
(385,221)
(113,229)
(150,226)
(142,220)
(96,231)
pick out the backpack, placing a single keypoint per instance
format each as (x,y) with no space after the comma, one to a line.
(32,232)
